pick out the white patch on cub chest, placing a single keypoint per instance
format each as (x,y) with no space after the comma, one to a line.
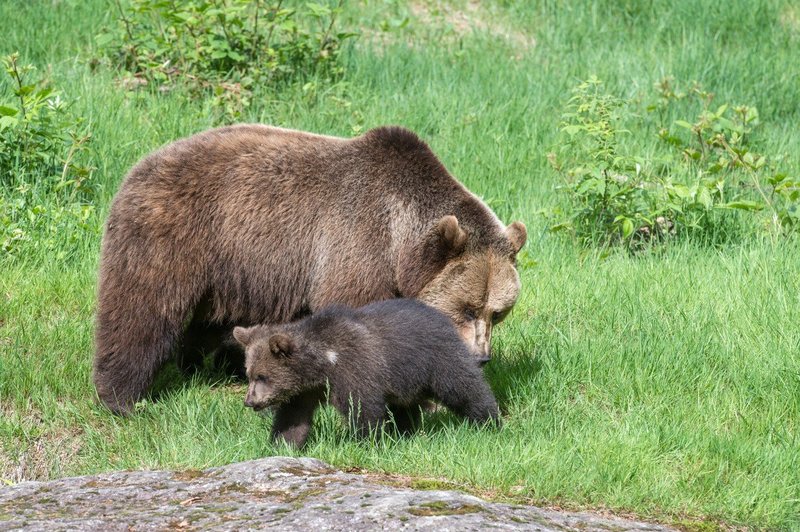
(332,356)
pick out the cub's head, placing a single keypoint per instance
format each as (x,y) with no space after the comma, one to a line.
(270,353)
(471,278)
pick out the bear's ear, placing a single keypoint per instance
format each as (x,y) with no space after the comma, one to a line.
(452,238)
(243,335)
(517,234)
(419,263)
(281,345)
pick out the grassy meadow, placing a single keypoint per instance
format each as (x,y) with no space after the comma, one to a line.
(662,384)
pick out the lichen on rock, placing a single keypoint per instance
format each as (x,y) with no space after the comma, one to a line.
(290,493)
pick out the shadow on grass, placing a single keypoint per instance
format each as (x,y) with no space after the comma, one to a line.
(172,380)
(512,372)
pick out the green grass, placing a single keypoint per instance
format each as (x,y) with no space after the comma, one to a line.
(665,385)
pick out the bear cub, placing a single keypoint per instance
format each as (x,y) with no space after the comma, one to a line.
(392,354)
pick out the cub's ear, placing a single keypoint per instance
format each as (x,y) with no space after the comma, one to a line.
(418,263)
(281,345)
(243,335)
(517,234)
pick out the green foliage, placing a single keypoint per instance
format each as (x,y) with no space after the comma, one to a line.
(44,178)
(228,46)
(717,150)
(38,135)
(614,197)
(635,200)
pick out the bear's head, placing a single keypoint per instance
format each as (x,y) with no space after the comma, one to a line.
(470,275)
(274,365)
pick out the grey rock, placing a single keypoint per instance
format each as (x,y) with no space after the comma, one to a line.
(286,493)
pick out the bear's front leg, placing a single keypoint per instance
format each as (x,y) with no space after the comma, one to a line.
(468,395)
(293,419)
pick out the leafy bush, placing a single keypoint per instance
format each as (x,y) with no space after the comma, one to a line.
(227,46)
(617,198)
(38,134)
(717,148)
(45,183)
(614,197)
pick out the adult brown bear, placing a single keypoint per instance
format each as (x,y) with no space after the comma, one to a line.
(254,224)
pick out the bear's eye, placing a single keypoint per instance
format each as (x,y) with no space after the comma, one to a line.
(261,378)
(470,314)
(498,316)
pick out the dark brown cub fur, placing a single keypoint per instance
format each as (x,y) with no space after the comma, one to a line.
(393,354)
(254,224)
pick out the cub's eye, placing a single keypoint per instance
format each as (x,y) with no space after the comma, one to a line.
(470,314)
(261,378)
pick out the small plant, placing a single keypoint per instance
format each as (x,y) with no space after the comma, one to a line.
(45,182)
(38,135)
(613,196)
(225,46)
(717,149)
(616,198)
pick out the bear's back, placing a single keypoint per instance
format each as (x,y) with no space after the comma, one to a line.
(253,154)
(385,184)
(398,349)
(417,341)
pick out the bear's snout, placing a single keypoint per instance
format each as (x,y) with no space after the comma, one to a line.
(250,403)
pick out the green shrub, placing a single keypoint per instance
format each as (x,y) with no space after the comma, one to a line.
(618,198)
(225,46)
(717,149)
(45,182)
(39,136)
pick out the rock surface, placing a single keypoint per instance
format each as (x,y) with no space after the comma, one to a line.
(286,493)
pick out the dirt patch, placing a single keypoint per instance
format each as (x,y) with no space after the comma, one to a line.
(451,21)
(36,460)
(471,17)
(790,19)
(32,456)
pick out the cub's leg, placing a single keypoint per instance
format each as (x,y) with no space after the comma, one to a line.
(466,393)
(293,419)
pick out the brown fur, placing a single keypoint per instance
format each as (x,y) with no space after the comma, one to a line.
(254,224)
